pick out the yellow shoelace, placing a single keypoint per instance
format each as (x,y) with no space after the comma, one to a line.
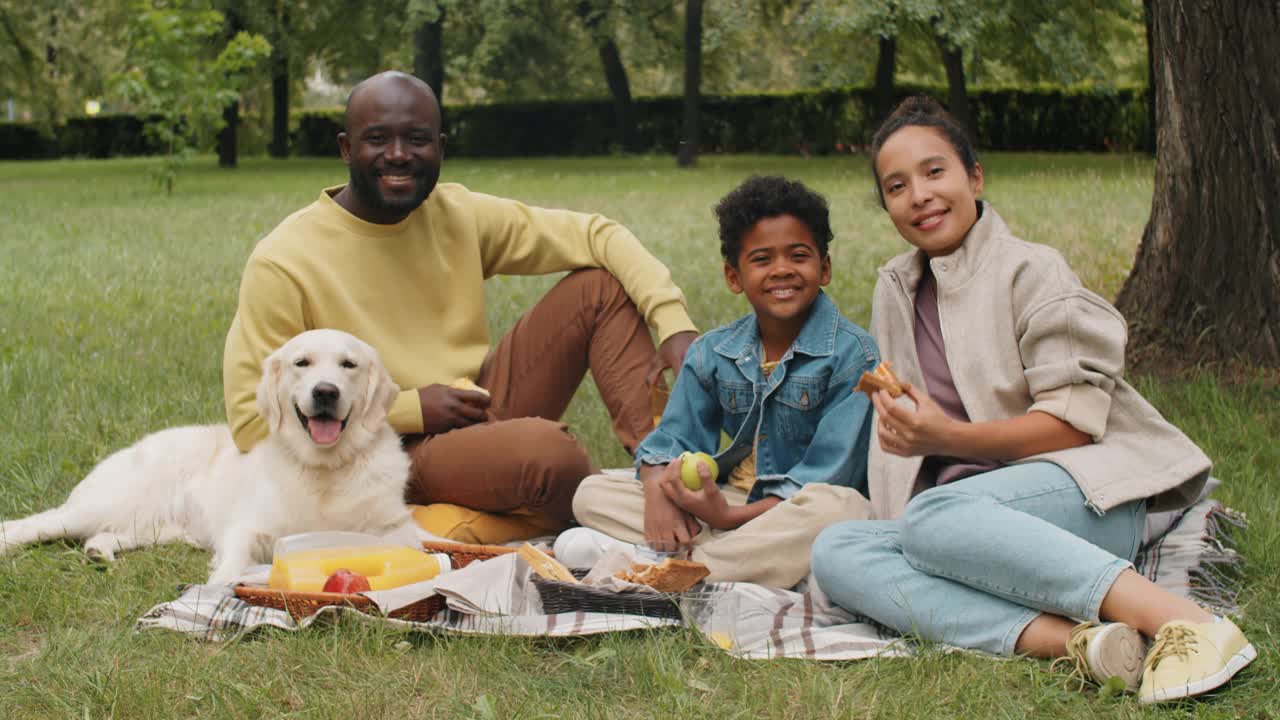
(1075,656)
(1172,641)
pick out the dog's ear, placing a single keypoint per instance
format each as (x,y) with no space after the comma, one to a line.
(379,396)
(268,392)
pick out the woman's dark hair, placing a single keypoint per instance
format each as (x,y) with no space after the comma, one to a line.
(923,111)
(761,197)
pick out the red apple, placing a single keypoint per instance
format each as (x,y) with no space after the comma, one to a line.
(344,581)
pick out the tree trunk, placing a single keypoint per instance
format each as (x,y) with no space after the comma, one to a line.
(615,74)
(279,147)
(1151,80)
(428,54)
(688,153)
(957,95)
(51,50)
(228,149)
(1206,281)
(886,64)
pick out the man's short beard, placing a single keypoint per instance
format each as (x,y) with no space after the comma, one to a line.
(366,189)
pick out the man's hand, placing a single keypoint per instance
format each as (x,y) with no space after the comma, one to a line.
(926,431)
(667,528)
(670,355)
(445,408)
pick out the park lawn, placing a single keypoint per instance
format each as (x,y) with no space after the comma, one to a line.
(114,303)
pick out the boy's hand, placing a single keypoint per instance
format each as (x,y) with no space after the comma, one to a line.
(707,503)
(667,528)
(925,431)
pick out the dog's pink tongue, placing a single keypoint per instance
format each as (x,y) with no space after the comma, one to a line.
(323,431)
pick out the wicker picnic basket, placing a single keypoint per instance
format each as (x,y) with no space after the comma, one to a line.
(562,597)
(305,604)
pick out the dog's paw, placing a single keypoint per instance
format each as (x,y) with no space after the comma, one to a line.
(100,549)
(99,555)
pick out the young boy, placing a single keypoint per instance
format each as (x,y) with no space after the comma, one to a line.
(780,383)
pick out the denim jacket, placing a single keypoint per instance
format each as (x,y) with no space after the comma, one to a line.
(811,426)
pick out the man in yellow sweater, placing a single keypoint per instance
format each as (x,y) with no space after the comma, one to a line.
(400,262)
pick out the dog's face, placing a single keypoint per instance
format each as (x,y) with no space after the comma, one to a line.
(322,391)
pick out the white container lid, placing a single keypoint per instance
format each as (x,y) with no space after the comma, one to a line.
(338,538)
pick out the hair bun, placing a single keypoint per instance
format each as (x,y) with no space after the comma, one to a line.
(917,105)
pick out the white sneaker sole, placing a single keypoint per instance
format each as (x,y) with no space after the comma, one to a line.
(1117,651)
(1209,682)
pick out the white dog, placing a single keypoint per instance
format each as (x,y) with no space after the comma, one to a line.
(330,462)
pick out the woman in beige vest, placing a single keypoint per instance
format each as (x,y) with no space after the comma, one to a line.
(1013,477)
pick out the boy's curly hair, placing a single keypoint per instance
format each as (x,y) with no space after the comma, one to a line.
(761,197)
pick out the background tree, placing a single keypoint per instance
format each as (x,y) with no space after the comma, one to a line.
(55,54)
(690,127)
(427,18)
(1206,281)
(184,74)
(228,134)
(597,17)
(281,38)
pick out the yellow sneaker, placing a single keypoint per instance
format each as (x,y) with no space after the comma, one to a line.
(1101,652)
(1193,658)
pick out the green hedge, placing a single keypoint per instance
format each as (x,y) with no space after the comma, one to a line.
(98,137)
(816,121)
(811,121)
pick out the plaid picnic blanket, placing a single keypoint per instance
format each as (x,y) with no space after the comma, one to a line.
(1188,552)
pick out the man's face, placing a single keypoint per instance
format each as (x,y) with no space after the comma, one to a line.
(393,148)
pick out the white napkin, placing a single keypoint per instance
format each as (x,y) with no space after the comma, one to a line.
(617,557)
(498,586)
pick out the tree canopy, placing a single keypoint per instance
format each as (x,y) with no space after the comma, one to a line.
(57,53)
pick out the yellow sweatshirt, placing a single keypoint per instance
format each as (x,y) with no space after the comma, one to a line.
(415,290)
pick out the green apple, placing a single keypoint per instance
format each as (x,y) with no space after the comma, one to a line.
(689,468)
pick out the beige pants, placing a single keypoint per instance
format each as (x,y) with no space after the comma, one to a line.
(772,549)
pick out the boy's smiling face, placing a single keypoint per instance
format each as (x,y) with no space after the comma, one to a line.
(780,271)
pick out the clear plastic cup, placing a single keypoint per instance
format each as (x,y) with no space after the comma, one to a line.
(715,614)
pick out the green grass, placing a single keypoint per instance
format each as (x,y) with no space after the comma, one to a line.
(114,305)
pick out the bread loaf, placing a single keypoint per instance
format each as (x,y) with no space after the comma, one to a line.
(545,565)
(670,575)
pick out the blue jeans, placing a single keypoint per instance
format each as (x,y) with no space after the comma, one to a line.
(971,563)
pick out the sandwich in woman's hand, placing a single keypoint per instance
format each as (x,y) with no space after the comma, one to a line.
(882,378)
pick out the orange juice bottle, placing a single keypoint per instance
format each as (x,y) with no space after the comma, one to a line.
(659,393)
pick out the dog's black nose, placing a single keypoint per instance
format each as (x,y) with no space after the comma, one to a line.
(325,394)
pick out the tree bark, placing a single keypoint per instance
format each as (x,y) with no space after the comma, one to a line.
(1206,281)
(228,148)
(279,147)
(428,55)
(50,50)
(688,153)
(1151,80)
(957,95)
(886,64)
(615,74)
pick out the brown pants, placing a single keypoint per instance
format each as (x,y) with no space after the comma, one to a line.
(523,457)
